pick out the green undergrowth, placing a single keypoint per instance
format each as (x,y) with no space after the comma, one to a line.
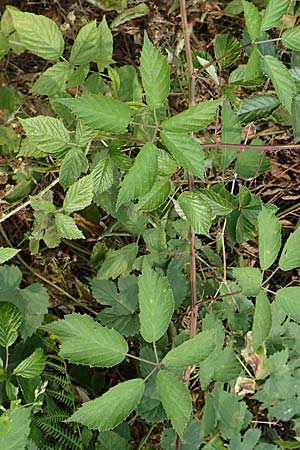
(109,151)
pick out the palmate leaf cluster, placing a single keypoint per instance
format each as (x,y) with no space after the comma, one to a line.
(121,151)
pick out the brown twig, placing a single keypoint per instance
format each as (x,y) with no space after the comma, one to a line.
(192,101)
(268,148)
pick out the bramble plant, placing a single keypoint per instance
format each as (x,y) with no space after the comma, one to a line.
(230,374)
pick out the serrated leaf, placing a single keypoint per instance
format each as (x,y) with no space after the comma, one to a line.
(105,46)
(32,366)
(141,176)
(257,107)
(156,304)
(86,342)
(79,195)
(288,299)
(290,255)
(155,75)
(100,112)
(157,195)
(186,151)
(269,243)
(273,14)
(47,133)
(74,164)
(282,80)
(7,253)
(10,322)
(197,212)
(119,262)
(227,49)
(193,351)
(16,434)
(67,228)
(85,46)
(38,34)
(103,177)
(53,81)
(193,119)
(249,279)
(139,10)
(251,163)
(111,440)
(109,410)
(231,133)
(150,408)
(253,19)
(291,38)
(296,117)
(262,321)
(219,205)
(176,400)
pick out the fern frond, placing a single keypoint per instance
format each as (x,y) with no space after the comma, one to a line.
(63,436)
(65,398)
(60,380)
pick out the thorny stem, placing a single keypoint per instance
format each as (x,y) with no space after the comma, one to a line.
(193,286)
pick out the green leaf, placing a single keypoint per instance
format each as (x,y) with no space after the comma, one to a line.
(231,133)
(156,304)
(32,366)
(84,135)
(105,46)
(79,195)
(176,400)
(15,435)
(250,439)
(141,176)
(156,196)
(253,19)
(193,119)
(155,75)
(219,205)
(291,38)
(102,175)
(249,279)
(288,299)
(193,351)
(109,410)
(38,34)
(296,117)
(74,164)
(290,255)
(139,10)
(262,321)
(7,253)
(273,14)
(121,314)
(53,81)
(186,151)
(47,133)
(111,440)
(269,243)
(86,342)
(227,49)
(67,228)
(118,263)
(10,322)
(251,163)
(100,112)
(257,107)
(197,212)
(85,46)
(282,80)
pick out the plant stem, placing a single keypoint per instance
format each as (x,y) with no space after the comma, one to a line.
(143,360)
(252,147)
(192,261)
